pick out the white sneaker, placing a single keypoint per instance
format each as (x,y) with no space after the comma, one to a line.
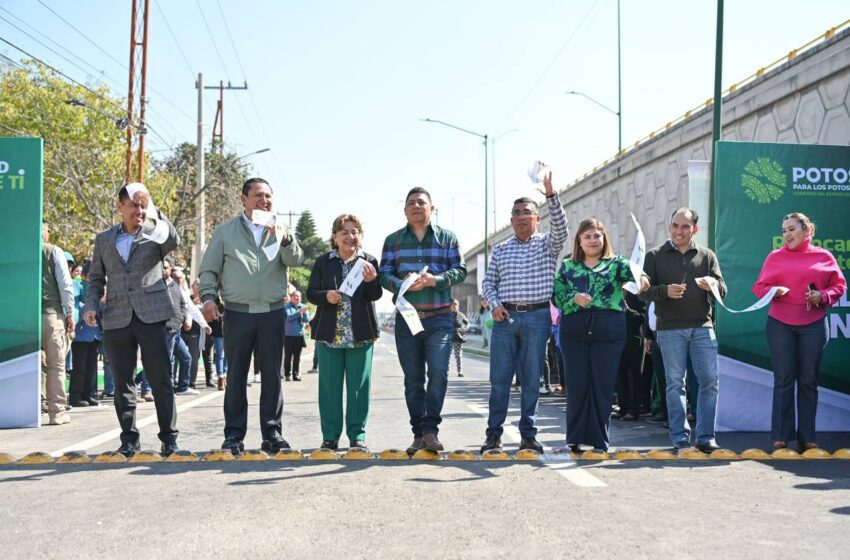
(257,378)
(187,391)
(59,419)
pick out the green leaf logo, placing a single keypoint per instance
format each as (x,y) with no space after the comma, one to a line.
(763,180)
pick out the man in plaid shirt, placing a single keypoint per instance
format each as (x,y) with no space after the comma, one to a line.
(406,251)
(518,286)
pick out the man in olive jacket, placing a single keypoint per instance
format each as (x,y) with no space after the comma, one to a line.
(249,263)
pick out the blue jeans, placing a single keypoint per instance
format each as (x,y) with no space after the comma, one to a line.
(432,348)
(796,352)
(181,361)
(701,345)
(523,343)
(220,361)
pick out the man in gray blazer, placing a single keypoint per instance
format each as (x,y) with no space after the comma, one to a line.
(138,305)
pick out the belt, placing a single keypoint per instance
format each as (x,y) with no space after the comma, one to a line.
(525,307)
(426,314)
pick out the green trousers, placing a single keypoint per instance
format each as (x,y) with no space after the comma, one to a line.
(354,365)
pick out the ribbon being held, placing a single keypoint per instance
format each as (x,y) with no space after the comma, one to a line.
(408,312)
(637,258)
(763,302)
(159,232)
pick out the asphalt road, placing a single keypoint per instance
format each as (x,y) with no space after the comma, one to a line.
(410,509)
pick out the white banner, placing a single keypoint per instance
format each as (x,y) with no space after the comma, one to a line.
(411,316)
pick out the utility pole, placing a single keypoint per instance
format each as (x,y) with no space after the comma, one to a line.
(290,214)
(200,202)
(136,101)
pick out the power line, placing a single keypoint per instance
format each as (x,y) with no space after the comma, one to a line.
(549,66)
(212,38)
(119,63)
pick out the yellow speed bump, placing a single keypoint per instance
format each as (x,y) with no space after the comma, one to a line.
(6,459)
(628,455)
(724,455)
(462,455)
(74,457)
(842,454)
(253,455)
(591,455)
(816,454)
(393,455)
(110,457)
(146,456)
(217,455)
(785,454)
(495,455)
(527,455)
(288,455)
(661,455)
(358,455)
(35,458)
(427,455)
(324,455)
(755,454)
(693,455)
(182,456)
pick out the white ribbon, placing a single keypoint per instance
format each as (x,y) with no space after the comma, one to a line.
(764,301)
(353,279)
(411,316)
(160,229)
(637,259)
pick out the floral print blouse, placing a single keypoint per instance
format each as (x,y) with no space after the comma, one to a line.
(603,283)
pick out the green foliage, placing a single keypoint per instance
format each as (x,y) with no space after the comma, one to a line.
(763,180)
(300,277)
(306,226)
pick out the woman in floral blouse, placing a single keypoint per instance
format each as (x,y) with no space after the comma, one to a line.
(588,290)
(345,329)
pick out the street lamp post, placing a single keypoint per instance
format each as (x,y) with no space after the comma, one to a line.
(493,149)
(486,182)
(619,111)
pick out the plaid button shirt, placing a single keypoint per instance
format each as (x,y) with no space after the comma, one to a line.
(403,253)
(524,272)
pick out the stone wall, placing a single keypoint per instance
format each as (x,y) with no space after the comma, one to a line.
(803,101)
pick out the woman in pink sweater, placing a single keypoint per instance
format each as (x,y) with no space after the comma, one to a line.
(809,281)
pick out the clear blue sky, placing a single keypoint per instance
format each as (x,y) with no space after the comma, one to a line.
(337,88)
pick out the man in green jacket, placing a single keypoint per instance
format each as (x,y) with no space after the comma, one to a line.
(249,263)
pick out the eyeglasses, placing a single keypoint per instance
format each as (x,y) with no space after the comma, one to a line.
(517,213)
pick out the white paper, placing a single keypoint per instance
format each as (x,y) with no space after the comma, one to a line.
(195,314)
(159,233)
(263,218)
(160,229)
(537,171)
(763,302)
(408,312)
(272,250)
(637,259)
(353,279)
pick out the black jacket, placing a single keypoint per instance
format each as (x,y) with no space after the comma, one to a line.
(327,276)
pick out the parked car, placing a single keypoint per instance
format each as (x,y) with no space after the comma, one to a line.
(474,327)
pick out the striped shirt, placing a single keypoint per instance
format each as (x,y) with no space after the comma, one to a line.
(403,253)
(523,272)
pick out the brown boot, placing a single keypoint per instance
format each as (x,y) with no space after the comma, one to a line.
(222,383)
(416,445)
(431,442)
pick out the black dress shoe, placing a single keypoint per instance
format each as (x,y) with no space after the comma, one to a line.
(708,446)
(531,443)
(296,377)
(492,442)
(168,447)
(329,444)
(78,404)
(234,446)
(681,445)
(129,449)
(274,445)
(93,401)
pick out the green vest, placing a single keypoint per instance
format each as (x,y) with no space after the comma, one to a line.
(51,301)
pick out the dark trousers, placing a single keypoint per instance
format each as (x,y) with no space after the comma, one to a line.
(292,346)
(84,372)
(630,385)
(552,365)
(121,345)
(592,343)
(206,356)
(192,340)
(660,375)
(243,332)
(796,352)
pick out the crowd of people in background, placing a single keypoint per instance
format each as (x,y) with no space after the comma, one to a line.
(615,342)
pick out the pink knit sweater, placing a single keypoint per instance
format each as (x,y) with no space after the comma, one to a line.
(796,269)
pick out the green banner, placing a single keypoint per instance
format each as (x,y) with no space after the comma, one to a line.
(756,185)
(20,286)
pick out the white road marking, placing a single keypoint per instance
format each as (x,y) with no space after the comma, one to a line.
(563,465)
(393,352)
(87,444)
